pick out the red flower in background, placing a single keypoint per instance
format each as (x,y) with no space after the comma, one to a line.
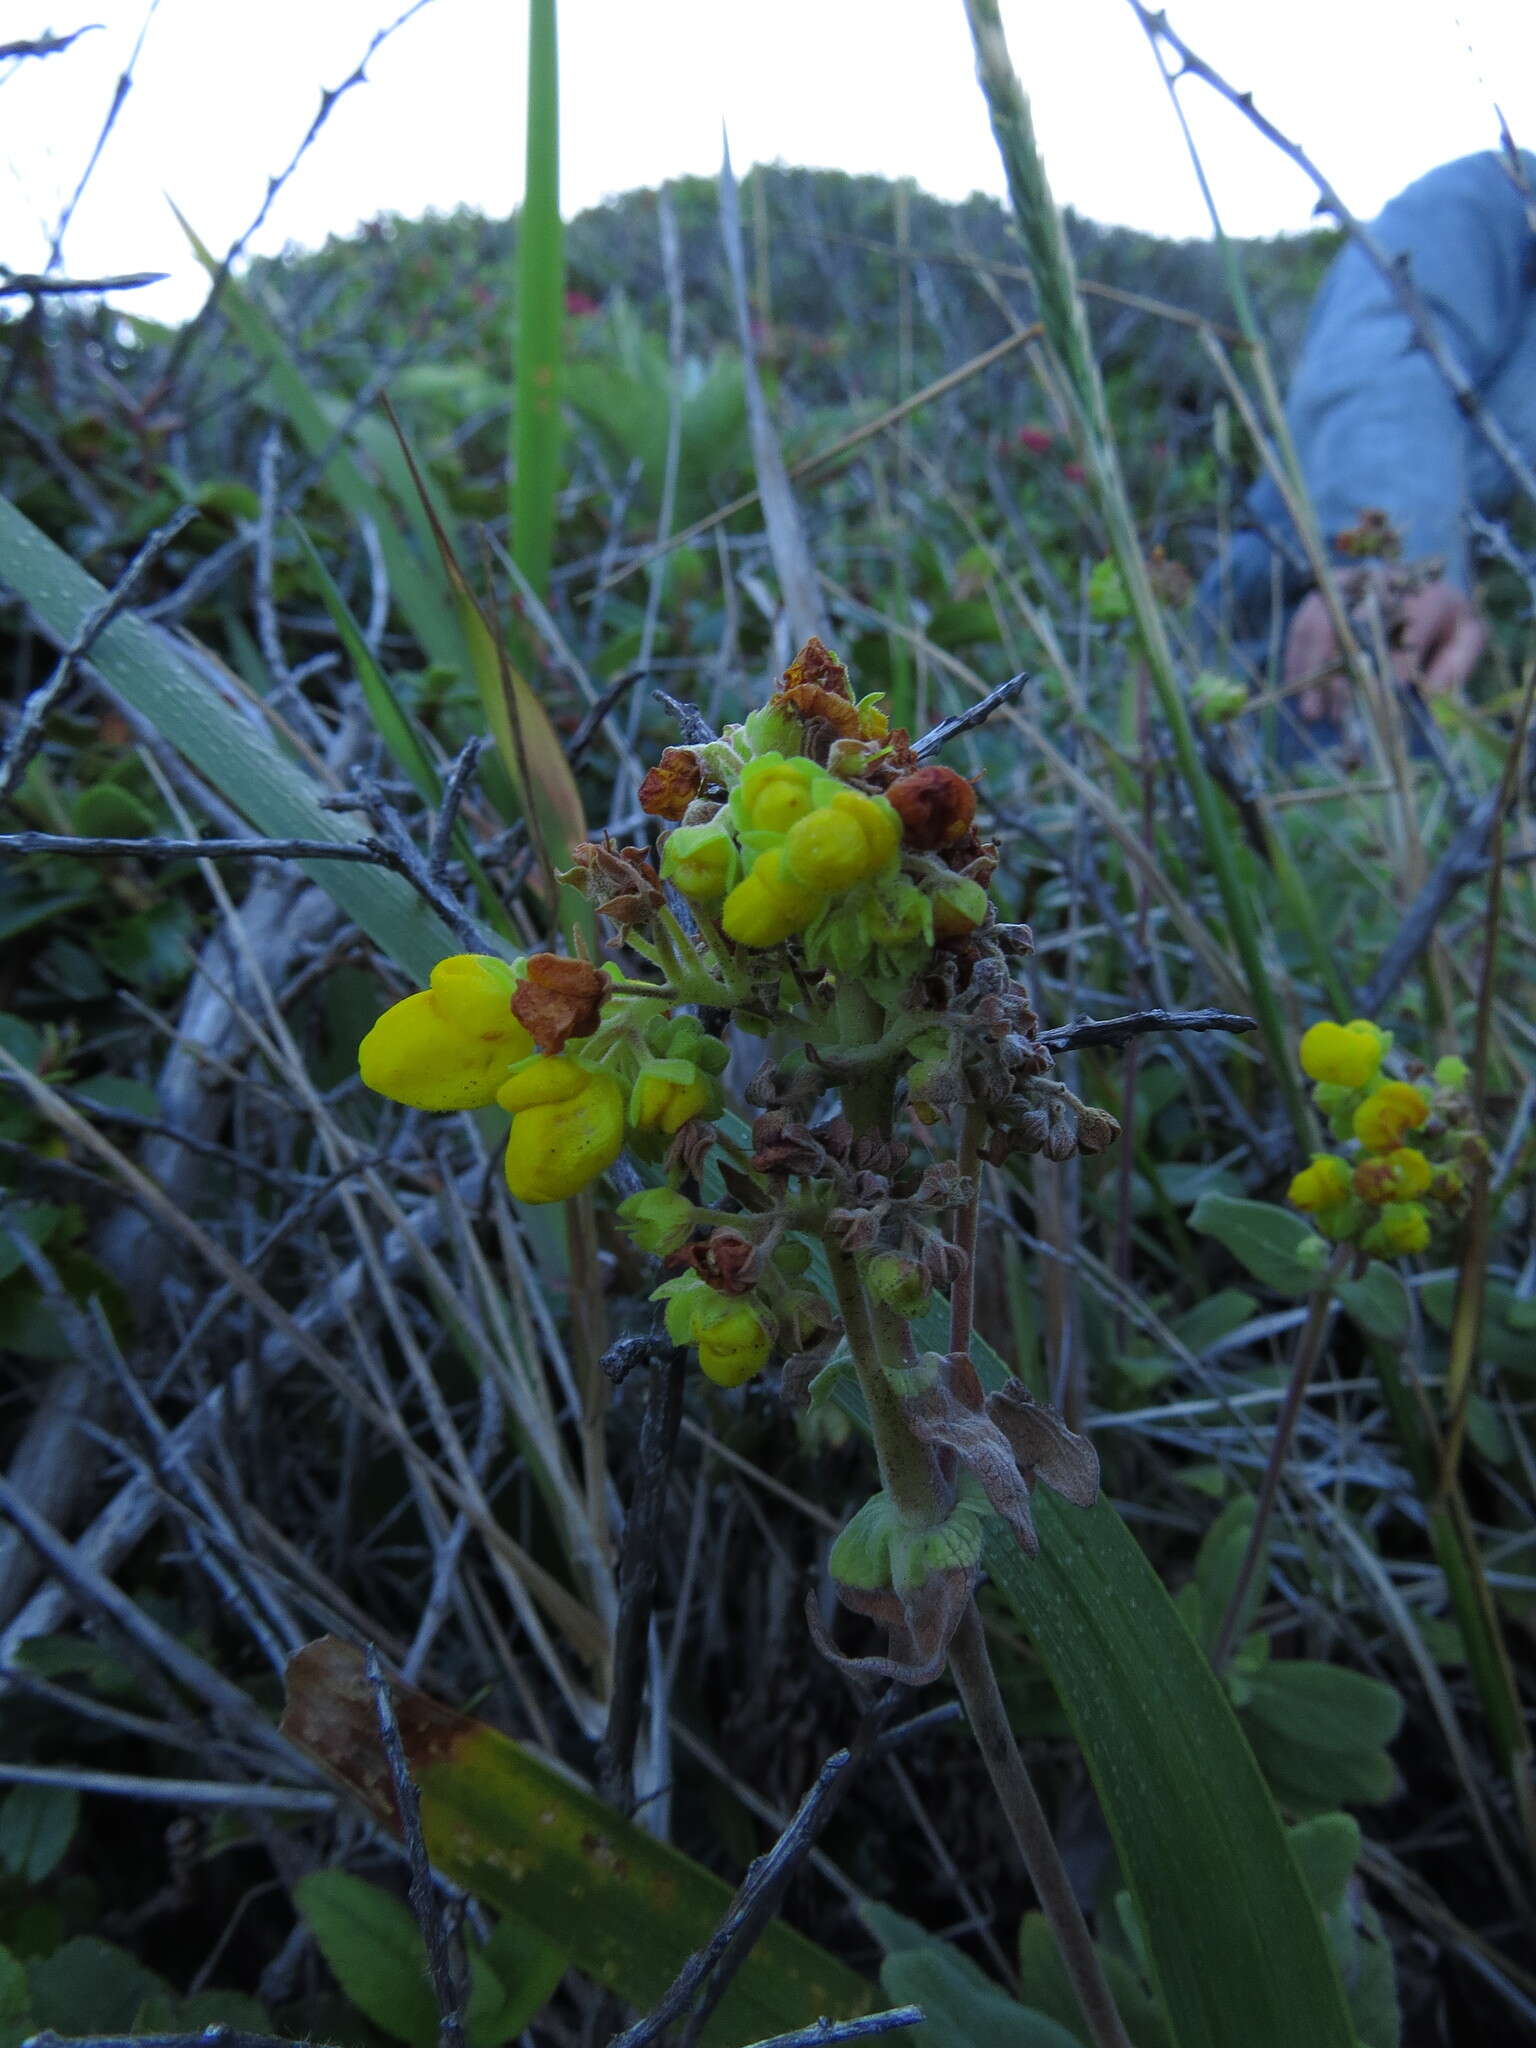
(580,304)
(1038,440)
(1073,472)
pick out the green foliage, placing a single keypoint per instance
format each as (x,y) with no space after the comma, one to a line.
(1263,1239)
(374,1949)
(37,1823)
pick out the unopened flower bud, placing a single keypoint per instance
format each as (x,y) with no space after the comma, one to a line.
(898,1282)
(669,1093)
(657,1220)
(699,860)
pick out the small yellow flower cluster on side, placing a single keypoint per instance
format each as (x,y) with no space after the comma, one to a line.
(1374,1200)
(791,839)
(457,1045)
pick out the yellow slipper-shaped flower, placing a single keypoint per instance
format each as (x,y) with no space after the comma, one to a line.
(450,1046)
(567,1127)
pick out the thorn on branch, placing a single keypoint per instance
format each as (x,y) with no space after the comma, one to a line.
(966,721)
(1137,1024)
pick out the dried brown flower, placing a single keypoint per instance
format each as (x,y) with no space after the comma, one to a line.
(559,999)
(619,882)
(670,787)
(936,806)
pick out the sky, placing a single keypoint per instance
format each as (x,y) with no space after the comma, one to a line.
(1377,91)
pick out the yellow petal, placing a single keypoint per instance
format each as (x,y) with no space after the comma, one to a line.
(415,1055)
(556,1147)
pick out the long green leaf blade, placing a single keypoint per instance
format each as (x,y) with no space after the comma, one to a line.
(238,757)
(536,451)
(626,1909)
(1236,1943)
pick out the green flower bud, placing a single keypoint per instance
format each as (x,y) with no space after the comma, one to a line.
(1107,601)
(1313,1253)
(668,1094)
(1451,1072)
(656,1220)
(1217,699)
(699,860)
(898,1282)
(954,1543)
(861,1555)
(772,730)
(792,1258)
(734,1337)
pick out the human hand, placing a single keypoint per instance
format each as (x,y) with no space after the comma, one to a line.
(1437,640)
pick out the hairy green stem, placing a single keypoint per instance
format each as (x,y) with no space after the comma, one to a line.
(971,1667)
(906,1466)
(966,1228)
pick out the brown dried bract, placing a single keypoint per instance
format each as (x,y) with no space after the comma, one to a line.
(333,1716)
(936,806)
(725,1260)
(619,882)
(921,1624)
(559,999)
(816,667)
(671,786)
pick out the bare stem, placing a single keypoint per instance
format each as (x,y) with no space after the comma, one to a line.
(971,1667)
(1308,1350)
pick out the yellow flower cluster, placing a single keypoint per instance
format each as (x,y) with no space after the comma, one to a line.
(1374,1200)
(792,838)
(457,1045)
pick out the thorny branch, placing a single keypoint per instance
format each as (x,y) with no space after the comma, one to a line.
(329,97)
(1137,1024)
(967,721)
(425,1902)
(637,1571)
(1394,270)
(27,733)
(702,1981)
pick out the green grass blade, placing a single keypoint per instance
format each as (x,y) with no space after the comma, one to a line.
(626,1909)
(536,449)
(236,756)
(1078,378)
(396,727)
(406,747)
(411,582)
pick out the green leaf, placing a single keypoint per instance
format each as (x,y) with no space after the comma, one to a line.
(518,1834)
(1323,1706)
(14,1999)
(1261,1237)
(406,747)
(373,1948)
(1312,1780)
(89,1987)
(1236,1946)
(165,2013)
(1217,1564)
(1327,1848)
(148,671)
(37,1825)
(963,2008)
(1044,1983)
(527,1969)
(1378,1301)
